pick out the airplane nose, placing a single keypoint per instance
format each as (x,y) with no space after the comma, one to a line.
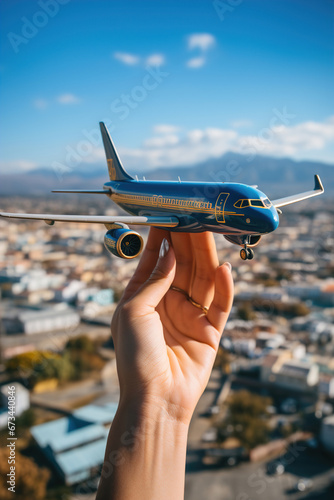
(272,221)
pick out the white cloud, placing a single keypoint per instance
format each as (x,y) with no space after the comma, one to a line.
(155,60)
(126,58)
(196,62)
(41,103)
(172,150)
(293,140)
(166,129)
(202,41)
(161,141)
(133,60)
(172,146)
(68,99)
(13,166)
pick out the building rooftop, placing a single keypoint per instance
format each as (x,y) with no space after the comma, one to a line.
(84,458)
(98,414)
(296,368)
(86,423)
(76,443)
(31,313)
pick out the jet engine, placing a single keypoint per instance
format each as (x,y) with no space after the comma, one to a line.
(254,240)
(123,243)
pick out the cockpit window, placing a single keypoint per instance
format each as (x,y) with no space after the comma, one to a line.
(237,204)
(265,203)
(242,203)
(257,203)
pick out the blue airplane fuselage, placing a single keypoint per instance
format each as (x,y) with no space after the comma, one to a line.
(199,206)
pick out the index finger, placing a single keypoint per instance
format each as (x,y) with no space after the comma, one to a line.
(223,298)
(147,262)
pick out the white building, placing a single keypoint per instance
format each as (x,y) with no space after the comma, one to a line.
(297,375)
(270,340)
(32,321)
(278,368)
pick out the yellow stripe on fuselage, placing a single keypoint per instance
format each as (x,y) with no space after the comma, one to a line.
(172,203)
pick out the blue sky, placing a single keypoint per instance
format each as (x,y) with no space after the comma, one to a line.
(178,82)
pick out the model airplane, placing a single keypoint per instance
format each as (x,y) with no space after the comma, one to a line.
(241,213)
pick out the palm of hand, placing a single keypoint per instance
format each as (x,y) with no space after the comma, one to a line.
(170,344)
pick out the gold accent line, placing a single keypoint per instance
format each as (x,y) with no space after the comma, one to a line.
(125,199)
(155,201)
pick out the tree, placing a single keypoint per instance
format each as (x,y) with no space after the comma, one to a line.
(245,312)
(30,480)
(26,419)
(80,343)
(82,356)
(35,366)
(247,419)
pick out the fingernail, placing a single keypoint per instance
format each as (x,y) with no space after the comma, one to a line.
(227,264)
(164,248)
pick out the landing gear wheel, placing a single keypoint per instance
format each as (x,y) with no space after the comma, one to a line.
(250,254)
(243,254)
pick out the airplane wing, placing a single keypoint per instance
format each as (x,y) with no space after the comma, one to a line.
(81,191)
(160,221)
(318,189)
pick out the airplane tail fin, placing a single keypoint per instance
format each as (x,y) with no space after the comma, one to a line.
(115,167)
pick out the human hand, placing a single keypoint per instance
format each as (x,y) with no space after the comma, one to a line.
(165,345)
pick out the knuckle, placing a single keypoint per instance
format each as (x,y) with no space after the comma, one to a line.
(157,275)
(124,311)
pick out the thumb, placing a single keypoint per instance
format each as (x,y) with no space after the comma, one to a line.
(153,290)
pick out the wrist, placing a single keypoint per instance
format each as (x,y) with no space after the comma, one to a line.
(146,439)
(147,409)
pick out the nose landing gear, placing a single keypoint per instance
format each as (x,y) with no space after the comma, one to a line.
(246,253)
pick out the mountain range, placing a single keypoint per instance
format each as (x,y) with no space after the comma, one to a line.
(274,176)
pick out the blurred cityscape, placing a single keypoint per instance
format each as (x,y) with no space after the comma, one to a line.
(264,428)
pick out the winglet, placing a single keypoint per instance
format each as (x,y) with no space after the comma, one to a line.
(318,189)
(318,186)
